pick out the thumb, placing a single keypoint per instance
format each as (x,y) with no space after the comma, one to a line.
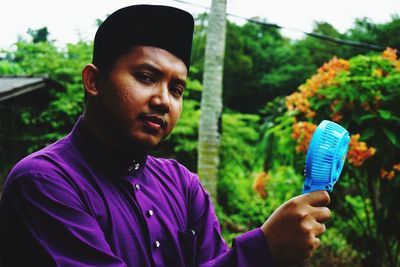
(318,198)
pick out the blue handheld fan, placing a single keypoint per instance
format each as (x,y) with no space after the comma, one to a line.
(325,156)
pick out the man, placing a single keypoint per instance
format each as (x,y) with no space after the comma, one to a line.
(97,198)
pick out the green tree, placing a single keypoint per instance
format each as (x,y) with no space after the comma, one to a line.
(366,31)
(39,35)
(64,66)
(259,64)
(320,51)
(252,75)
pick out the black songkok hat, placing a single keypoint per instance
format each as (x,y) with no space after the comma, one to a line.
(164,27)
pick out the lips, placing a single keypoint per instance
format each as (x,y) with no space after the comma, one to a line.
(155,120)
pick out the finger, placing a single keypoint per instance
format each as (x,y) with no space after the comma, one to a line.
(317,242)
(318,198)
(320,229)
(321,214)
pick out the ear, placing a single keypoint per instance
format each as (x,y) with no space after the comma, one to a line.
(90,78)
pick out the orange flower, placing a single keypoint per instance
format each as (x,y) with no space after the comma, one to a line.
(310,114)
(365,106)
(325,77)
(335,64)
(358,151)
(396,167)
(259,184)
(387,175)
(337,117)
(377,73)
(390,53)
(302,133)
(297,101)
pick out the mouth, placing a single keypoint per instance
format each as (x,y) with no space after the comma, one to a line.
(154,121)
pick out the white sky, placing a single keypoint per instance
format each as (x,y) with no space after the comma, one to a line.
(67,20)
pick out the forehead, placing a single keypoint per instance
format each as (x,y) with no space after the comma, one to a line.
(157,57)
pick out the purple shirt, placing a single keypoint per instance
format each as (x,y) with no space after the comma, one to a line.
(79,203)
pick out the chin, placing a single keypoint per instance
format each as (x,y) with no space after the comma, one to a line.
(147,142)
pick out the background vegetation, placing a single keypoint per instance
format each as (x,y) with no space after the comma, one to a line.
(276,91)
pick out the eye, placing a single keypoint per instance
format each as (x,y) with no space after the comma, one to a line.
(144,77)
(177,90)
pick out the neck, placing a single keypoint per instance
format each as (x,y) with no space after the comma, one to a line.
(107,133)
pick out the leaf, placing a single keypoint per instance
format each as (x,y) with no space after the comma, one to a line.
(320,103)
(394,118)
(385,114)
(367,117)
(352,93)
(368,133)
(391,136)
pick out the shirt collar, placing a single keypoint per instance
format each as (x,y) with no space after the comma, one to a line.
(103,157)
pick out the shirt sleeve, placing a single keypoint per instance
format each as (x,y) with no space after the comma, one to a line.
(45,223)
(248,250)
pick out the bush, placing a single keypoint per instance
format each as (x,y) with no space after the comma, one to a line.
(361,94)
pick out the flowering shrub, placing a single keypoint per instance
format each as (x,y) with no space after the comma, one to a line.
(359,151)
(259,184)
(363,95)
(302,133)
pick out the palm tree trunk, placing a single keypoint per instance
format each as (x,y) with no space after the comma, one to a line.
(211,100)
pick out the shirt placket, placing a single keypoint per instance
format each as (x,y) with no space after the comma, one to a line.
(149,212)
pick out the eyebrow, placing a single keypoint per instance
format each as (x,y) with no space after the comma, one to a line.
(158,72)
(149,67)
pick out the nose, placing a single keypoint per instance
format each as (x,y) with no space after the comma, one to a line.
(161,101)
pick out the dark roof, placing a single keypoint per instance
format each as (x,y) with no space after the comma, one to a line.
(13,86)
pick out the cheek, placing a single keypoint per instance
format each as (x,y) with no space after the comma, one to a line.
(177,110)
(120,86)
(174,114)
(129,101)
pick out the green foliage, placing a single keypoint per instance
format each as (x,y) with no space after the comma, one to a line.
(334,250)
(259,66)
(277,145)
(64,66)
(10,68)
(319,51)
(39,35)
(284,183)
(365,30)
(241,207)
(362,94)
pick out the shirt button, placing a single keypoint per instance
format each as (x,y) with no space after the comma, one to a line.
(157,244)
(137,186)
(150,213)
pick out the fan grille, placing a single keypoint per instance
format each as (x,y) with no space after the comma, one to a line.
(325,159)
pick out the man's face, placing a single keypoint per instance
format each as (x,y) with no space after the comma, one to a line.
(142,96)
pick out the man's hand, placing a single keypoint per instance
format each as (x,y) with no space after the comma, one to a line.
(292,230)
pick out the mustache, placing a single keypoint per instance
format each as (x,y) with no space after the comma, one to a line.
(154,117)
